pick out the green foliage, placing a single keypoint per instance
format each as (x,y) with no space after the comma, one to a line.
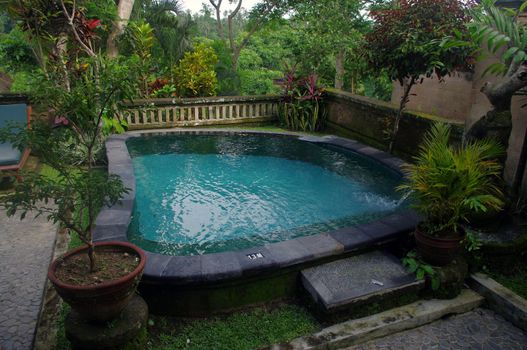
(324,29)
(15,52)
(194,75)
(405,40)
(171,28)
(471,242)
(258,81)
(140,37)
(515,281)
(243,330)
(422,270)
(82,111)
(228,79)
(23,82)
(448,183)
(300,108)
(377,87)
(494,30)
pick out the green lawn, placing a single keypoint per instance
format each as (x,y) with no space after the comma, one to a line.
(516,282)
(242,330)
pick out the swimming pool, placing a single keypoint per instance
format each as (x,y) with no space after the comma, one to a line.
(198,194)
(300,215)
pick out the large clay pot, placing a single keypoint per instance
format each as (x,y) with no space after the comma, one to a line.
(437,251)
(104,301)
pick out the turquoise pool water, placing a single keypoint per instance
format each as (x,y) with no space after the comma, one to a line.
(198,194)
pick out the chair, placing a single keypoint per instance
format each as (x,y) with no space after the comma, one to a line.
(11,159)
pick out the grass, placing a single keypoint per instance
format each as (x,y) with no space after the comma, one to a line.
(516,282)
(243,330)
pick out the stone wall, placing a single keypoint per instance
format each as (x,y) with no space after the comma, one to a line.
(450,98)
(370,121)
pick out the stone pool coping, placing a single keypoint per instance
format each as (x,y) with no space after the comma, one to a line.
(112,223)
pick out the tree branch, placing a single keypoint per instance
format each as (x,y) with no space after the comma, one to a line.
(217,7)
(70,19)
(500,94)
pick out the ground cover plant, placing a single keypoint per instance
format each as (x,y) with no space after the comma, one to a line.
(515,281)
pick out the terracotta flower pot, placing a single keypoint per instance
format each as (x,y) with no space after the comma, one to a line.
(105,301)
(437,251)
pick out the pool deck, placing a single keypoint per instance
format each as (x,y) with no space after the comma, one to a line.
(112,223)
(26,249)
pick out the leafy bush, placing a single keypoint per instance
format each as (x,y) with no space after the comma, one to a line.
(194,75)
(300,106)
(378,87)
(449,183)
(15,52)
(258,82)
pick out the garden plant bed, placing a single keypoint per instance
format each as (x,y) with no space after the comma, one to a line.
(111,265)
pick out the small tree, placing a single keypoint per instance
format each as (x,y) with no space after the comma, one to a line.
(406,42)
(82,112)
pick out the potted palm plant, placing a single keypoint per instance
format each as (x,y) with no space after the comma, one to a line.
(447,184)
(97,280)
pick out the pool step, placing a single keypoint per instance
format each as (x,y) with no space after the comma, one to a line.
(358,286)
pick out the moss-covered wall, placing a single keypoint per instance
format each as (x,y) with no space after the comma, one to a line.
(371,121)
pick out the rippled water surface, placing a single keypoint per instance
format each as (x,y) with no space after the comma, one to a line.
(208,193)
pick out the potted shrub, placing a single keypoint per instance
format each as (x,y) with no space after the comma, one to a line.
(447,184)
(97,280)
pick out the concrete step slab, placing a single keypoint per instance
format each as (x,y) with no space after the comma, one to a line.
(346,284)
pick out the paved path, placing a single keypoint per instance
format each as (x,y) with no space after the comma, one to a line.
(478,329)
(25,252)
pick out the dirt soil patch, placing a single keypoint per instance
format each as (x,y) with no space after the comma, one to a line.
(110,265)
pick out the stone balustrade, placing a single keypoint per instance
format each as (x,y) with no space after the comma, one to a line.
(176,112)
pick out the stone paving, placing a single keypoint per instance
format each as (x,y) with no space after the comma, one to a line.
(26,248)
(479,329)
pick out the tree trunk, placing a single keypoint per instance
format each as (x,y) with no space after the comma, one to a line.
(497,123)
(407,86)
(124,10)
(60,51)
(339,69)
(217,8)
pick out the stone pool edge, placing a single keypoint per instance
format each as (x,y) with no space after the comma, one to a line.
(112,223)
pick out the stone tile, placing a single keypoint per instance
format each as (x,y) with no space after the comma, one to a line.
(477,329)
(400,222)
(321,245)
(288,253)
(155,265)
(113,217)
(26,249)
(218,266)
(255,260)
(378,231)
(183,269)
(351,238)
